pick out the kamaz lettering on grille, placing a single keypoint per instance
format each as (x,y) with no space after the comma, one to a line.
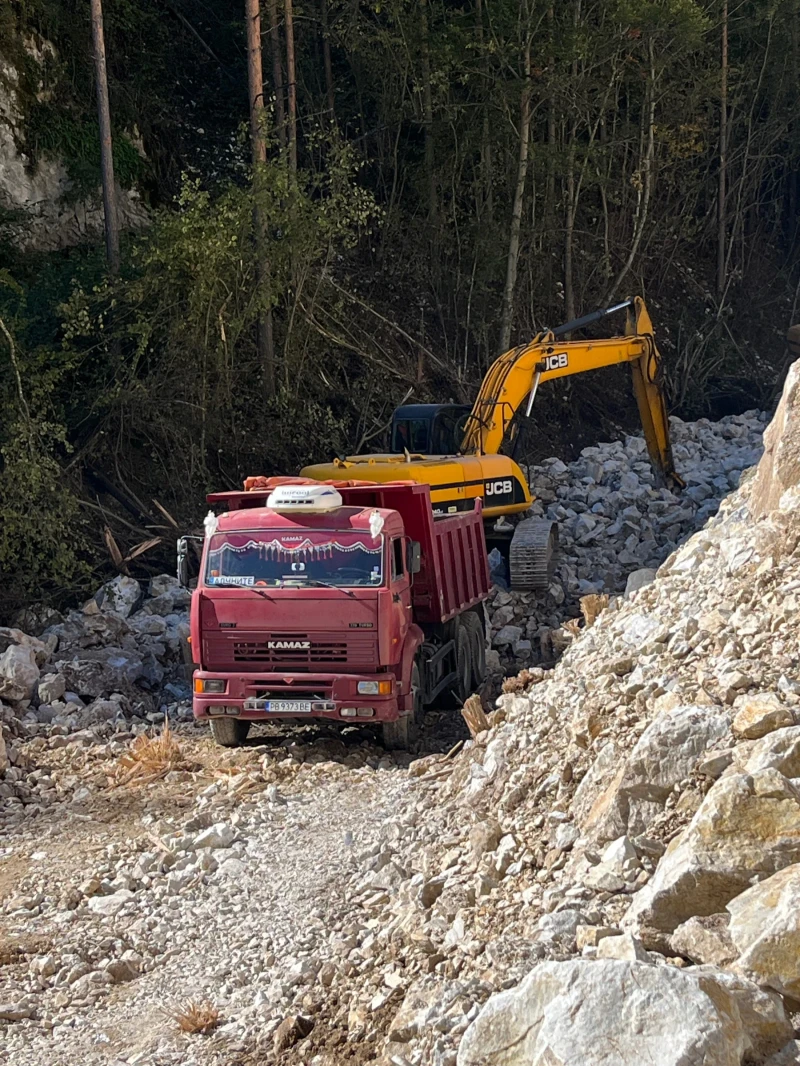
(289,645)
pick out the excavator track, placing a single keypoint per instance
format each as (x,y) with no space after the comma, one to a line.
(532,556)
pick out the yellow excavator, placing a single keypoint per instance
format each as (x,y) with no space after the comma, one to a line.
(457,449)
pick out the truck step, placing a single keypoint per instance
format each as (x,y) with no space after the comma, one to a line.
(532,556)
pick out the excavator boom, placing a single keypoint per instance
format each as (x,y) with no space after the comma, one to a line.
(426,438)
(517,374)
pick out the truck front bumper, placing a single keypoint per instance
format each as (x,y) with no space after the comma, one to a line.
(329,695)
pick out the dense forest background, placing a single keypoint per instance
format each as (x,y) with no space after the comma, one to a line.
(443,178)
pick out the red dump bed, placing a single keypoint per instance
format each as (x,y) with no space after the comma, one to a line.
(454,571)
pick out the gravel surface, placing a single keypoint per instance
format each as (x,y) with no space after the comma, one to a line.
(150,916)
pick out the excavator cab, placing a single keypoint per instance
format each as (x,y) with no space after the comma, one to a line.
(429,428)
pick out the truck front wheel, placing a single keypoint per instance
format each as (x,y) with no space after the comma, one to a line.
(229,732)
(401,735)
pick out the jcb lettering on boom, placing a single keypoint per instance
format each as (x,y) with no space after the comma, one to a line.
(556,362)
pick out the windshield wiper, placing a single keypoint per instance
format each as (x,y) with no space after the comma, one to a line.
(328,585)
(247,588)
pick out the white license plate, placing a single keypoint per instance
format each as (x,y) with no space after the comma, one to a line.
(279,706)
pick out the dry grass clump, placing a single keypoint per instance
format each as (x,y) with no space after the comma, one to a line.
(592,607)
(524,680)
(150,758)
(194,1017)
(475,716)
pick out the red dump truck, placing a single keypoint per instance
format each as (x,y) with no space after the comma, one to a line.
(348,602)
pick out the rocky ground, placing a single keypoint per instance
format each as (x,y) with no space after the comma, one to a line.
(608,874)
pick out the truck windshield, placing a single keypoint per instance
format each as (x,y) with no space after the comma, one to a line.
(279,558)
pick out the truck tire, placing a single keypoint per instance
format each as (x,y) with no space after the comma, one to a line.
(229,732)
(456,694)
(474,626)
(401,735)
(464,654)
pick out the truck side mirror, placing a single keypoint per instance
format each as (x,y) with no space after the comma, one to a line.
(414,557)
(183,562)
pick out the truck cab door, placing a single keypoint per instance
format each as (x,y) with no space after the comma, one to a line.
(400,589)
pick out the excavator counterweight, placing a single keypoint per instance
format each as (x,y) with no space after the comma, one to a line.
(458,452)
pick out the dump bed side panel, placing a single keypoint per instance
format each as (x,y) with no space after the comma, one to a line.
(462,562)
(454,573)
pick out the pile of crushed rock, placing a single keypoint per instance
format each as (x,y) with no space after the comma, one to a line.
(613,522)
(120,658)
(614,872)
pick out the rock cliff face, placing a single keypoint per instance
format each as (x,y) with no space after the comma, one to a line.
(43,215)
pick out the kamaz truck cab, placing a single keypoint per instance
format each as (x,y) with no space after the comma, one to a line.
(345,602)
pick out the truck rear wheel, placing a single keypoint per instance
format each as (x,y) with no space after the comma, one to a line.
(477,634)
(401,735)
(229,732)
(456,694)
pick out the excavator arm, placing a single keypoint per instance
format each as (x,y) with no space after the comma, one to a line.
(515,377)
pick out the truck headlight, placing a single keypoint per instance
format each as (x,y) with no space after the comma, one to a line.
(210,684)
(374,688)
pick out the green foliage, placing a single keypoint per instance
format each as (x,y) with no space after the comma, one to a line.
(42,539)
(681,22)
(53,132)
(42,536)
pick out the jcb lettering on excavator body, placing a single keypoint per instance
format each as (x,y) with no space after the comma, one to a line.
(556,362)
(499,488)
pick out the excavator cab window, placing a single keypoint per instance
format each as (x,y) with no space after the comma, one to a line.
(429,428)
(448,430)
(411,434)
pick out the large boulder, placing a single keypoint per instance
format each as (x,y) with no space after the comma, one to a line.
(765,927)
(760,714)
(40,648)
(99,672)
(705,940)
(779,468)
(18,672)
(746,828)
(613,1013)
(787,1056)
(122,596)
(665,754)
(776,751)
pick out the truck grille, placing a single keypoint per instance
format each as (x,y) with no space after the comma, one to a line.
(285,651)
(261,652)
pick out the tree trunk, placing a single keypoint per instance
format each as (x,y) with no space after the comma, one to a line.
(255,82)
(106,145)
(512,260)
(550,183)
(569,227)
(277,73)
(258,144)
(326,60)
(292,87)
(723,158)
(645,184)
(486,142)
(427,107)
(572,196)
